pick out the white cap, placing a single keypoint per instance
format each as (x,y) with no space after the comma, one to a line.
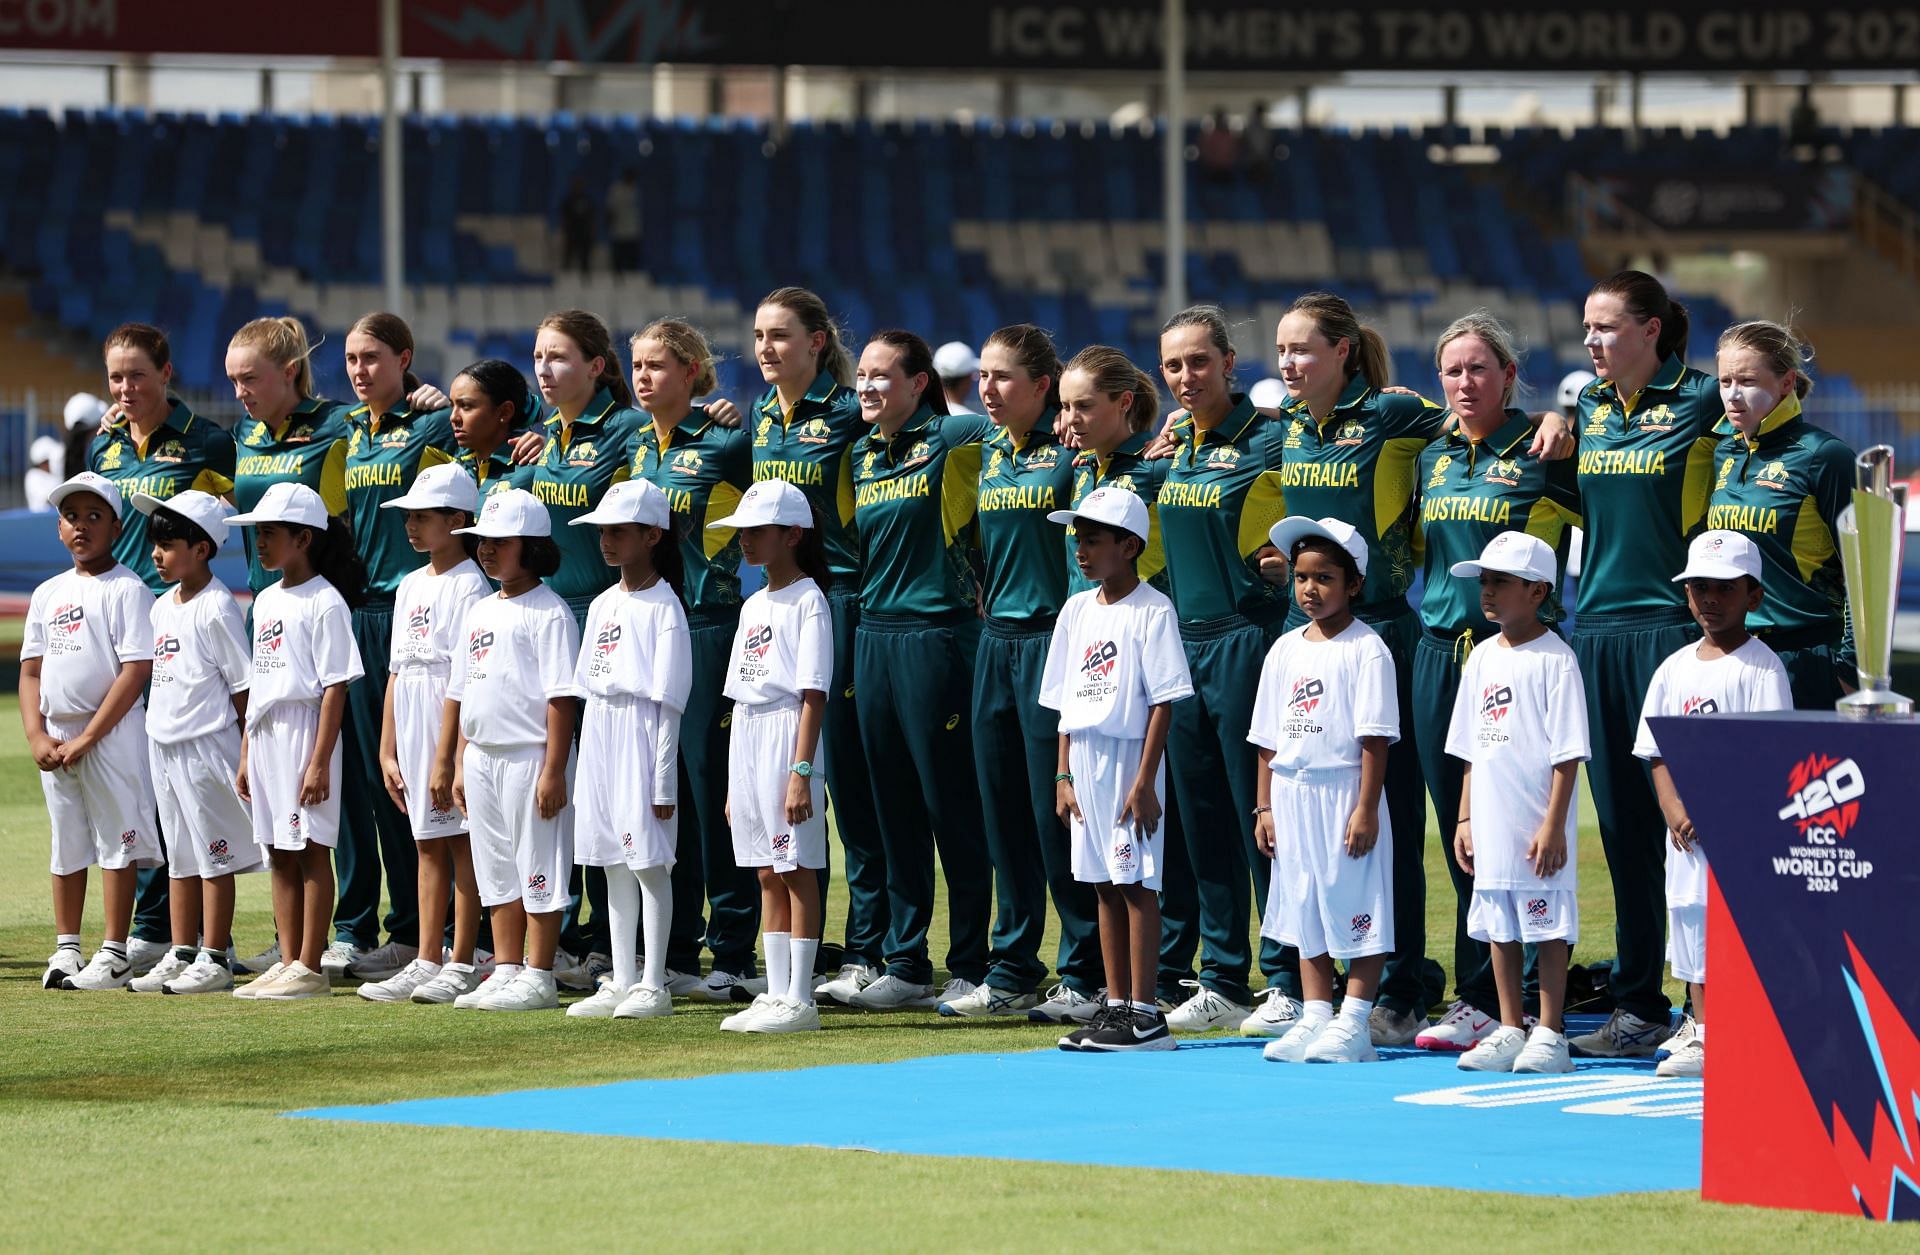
(1116,507)
(1572,385)
(285,502)
(86,481)
(955,359)
(445,486)
(1720,556)
(1269,394)
(85,410)
(515,512)
(629,501)
(45,449)
(770,501)
(1289,530)
(1512,553)
(204,509)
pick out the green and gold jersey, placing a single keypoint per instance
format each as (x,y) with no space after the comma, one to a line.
(703,468)
(1020,483)
(1126,467)
(184,452)
(384,453)
(581,460)
(1469,492)
(1357,465)
(915,499)
(1218,500)
(1646,470)
(310,449)
(496,471)
(811,448)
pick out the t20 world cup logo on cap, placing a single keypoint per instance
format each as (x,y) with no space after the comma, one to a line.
(1307,692)
(1100,659)
(1495,701)
(1823,796)
(759,640)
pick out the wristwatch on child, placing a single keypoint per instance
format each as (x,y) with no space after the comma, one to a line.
(802,769)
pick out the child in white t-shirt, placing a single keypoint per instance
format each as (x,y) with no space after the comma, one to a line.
(1728,671)
(1114,668)
(511,709)
(777,679)
(304,657)
(634,672)
(202,669)
(84,661)
(1520,722)
(1326,711)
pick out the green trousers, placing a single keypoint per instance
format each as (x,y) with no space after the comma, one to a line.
(374,833)
(1814,669)
(850,795)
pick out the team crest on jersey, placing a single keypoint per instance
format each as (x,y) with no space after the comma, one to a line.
(1294,428)
(1440,466)
(1046,457)
(1659,418)
(866,463)
(353,445)
(1224,456)
(298,433)
(760,433)
(1597,421)
(995,462)
(419,622)
(922,451)
(395,439)
(814,431)
(1123,481)
(171,451)
(1726,473)
(583,454)
(1504,471)
(1773,475)
(759,640)
(110,460)
(1699,706)
(1081,483)
(687,462)
(1352,432)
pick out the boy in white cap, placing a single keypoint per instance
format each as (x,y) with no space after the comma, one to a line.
(84,662)
(1727,671)
(1520,723)
(959,369)
(1113,671)
(1326,711)
(202,669)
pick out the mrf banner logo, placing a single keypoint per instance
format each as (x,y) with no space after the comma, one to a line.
(1823,796)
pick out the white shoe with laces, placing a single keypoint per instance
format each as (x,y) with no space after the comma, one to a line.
(1291,1046)
(984,1001)
(784,1015)
(105,970)
(890,993)
(401,985)
(1342,1041)
(203,976)
(159,974)
(585,974)
(1463,1027)
(843,985)
(1066,1005)
(259,984)
(1206,1010)
(142,955)
(296,981)
(955,990)
(1624,1036)
(643,1002)
(62,963)
(741,1021)
(383,963)
(1496,1052)
(501,977)
(530,990)
(601,1005)
(1275,1012)
(682,984)
(261,962)
(1388,1027)
(1686,1052)
(722,986)
(1545,1051)
(454,982)
(339,958)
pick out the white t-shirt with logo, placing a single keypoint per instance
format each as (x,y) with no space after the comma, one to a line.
(1109,665)
(637,646)
(302,645)
(1317,699)
(427,612)
(519,654)
(200,660)
(1751,678)
(783,646)
(1520,712)
(84,627)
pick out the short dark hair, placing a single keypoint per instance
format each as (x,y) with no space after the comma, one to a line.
(461,518)
(540,555)
(166,526)
(1119,534)
(1328,548)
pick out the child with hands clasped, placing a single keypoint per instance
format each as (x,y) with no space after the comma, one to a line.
(1113,670)
(1323,717)
(635,671)
(84,663)
(304,657)
(507,741)
(1727,671)
(1520,723)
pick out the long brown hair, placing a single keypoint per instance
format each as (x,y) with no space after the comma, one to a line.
(915,359)
(1033,349)
(592,338)
(1335,320)
(392,331)
(833,361)
(1646,297)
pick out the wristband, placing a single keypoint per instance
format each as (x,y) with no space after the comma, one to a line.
(1263,810)
(1065,777)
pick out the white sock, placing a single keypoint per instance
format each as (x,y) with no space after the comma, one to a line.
(656,919)
(118,949)
(800,982)
(779,962)
(1355,1009)
(504,972)
(1316,1014)
(66,941)
(1700,1031)
(623,926)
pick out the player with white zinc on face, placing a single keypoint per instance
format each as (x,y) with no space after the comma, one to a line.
(634,673)
(1325,713)
(1728,672)
(1113,670)
(1520,722)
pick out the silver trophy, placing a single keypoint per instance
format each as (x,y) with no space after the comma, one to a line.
(1872,535)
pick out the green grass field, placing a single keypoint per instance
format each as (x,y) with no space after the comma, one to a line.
(150,1122)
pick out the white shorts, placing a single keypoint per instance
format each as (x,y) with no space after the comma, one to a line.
(1320,898)
(759,756)
(1687,943)
(419,699)
(517,855)
(1528,915)
(279,743)
(102,808)
(209,829)
(1103,851)
(613,819)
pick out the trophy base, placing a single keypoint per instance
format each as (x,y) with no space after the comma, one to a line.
(1870,703)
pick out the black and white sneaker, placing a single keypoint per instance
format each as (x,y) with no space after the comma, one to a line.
(1102,1018)
(1131,1030)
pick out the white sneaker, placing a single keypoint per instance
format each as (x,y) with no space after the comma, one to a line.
(297,980)
(953,991)
(1496,1051)
(682,984)
(643,1002)
(259,963)
(1065,1005)
(339,957)
(482,961)
(143,955)
(1291,1046)
(850,980)
(585,974)
(1388,1027)
(1463,1027)
(258,985)
(203,976)
(722,986)
(384,963)
(501,977)
(784,1015)
(1342,1041)
(890,993)
(400,986)
(1545,1051)
(159,974)
(454,981)
(985,1000)
(1274,1014)
(739,1021)
(1624,1036)
(601,1005)
(104,970)
(62,963)
(1206,1010)
(1686,1052)
(531,990)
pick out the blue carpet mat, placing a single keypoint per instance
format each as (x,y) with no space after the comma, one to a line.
(1211,1106)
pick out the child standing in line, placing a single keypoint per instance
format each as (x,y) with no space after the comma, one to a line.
(1326,711)
(1520,723)
(1727,671)
(429,605)
(1114,669)
(507,740)
(781,668)
(303,659)
(84,663)
(196,709)
(634,673)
